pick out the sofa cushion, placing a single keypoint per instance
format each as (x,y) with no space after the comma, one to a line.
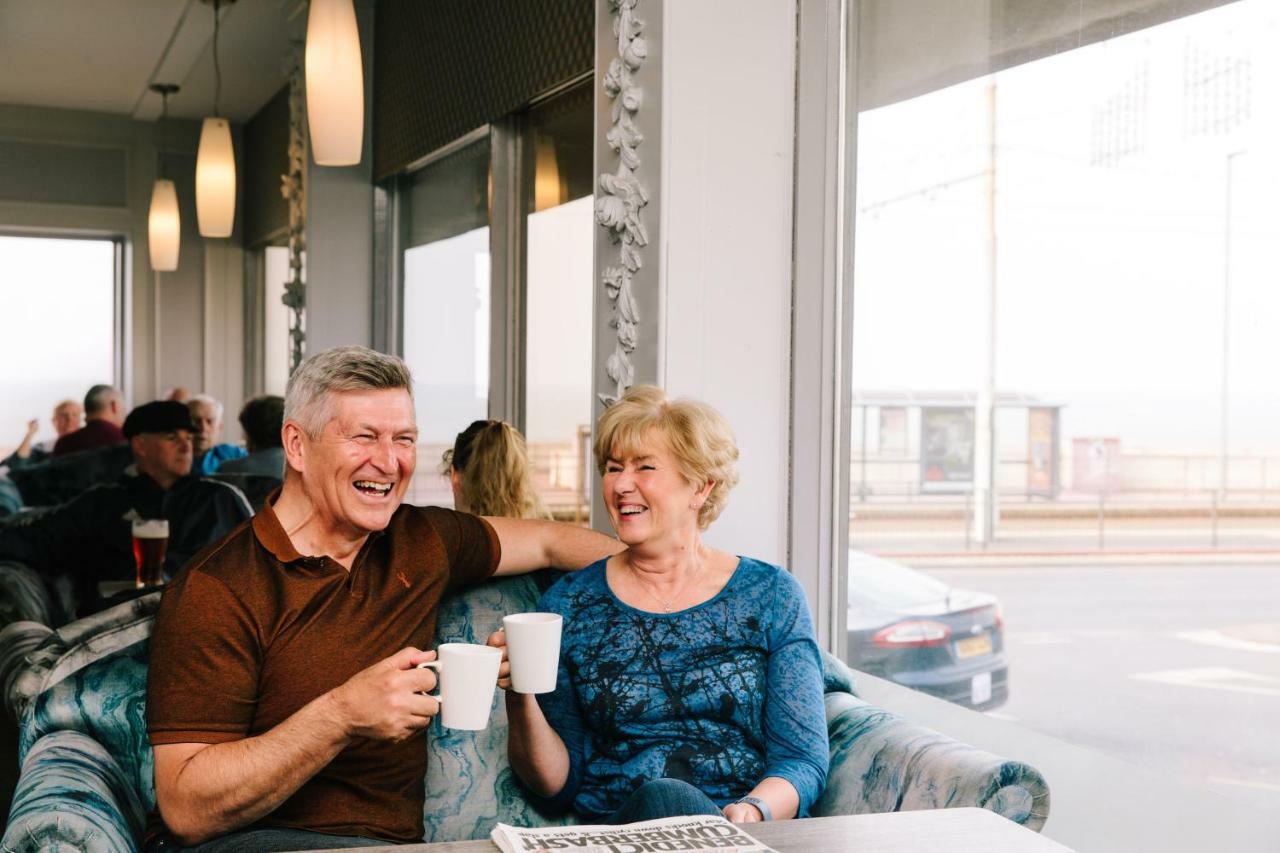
(470,785)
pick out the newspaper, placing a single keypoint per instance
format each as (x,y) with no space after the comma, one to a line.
(699,832)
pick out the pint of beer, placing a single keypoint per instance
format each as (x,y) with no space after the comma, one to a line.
(150,540)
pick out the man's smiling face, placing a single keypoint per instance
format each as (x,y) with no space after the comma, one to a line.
(356,471)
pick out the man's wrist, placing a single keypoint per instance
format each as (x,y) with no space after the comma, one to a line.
(766,813)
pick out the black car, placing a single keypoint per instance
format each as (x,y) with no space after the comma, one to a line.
(914,630)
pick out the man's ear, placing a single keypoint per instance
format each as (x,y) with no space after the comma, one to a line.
(295,445)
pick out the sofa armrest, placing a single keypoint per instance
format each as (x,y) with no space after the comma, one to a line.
(72,795)
(881,763)
(23,595)
(17,640)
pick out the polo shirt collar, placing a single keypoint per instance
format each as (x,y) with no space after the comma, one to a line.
(269,531)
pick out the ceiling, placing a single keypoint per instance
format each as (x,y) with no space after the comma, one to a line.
(101,55)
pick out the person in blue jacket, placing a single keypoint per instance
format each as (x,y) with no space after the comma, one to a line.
(690,681)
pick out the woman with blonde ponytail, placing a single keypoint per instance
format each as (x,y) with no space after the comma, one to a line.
(488,467)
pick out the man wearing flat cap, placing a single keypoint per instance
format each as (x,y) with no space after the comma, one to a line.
(90,537)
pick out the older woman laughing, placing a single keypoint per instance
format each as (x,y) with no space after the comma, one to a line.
(690,681)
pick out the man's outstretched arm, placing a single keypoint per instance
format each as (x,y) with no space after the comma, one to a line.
(528,544)
(205,790)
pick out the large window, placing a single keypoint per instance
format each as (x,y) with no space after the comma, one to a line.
(1065,478)
(558,293)
(66,290)
(445,237)
(537,289)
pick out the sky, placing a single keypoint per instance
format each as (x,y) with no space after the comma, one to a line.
(63,291)
(1111,231)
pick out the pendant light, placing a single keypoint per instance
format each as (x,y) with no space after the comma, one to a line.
(216,160)
(164,226)
(335,83)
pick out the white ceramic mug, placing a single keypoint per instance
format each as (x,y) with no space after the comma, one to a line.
(533,647)
(468,677)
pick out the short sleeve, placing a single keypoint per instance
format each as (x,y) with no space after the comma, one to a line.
(471,547)
(202,681)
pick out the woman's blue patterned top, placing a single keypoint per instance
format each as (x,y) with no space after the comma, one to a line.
(720,695)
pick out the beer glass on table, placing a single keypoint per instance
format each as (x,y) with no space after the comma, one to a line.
(150,541)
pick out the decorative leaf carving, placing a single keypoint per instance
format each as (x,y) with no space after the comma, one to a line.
(619,208)
(293,188)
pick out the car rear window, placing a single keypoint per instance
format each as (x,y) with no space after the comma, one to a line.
(890,585)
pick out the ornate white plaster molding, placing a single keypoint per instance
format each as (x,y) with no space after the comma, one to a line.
(619,207)
(294,188)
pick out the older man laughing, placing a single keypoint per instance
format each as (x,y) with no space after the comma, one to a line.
(284,702)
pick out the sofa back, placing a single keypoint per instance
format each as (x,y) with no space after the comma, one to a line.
(90,677)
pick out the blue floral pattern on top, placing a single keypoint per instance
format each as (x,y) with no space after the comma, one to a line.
(720,695)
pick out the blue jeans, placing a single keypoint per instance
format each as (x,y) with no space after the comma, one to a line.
(266,840)
(663,798)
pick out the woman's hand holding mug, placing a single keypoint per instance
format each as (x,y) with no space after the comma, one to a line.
(498,640)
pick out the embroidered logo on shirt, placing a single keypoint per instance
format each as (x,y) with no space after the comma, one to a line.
(404,580)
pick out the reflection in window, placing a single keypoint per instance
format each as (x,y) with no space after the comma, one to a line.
(559,234)
(1095,231)
(60,298)
(276,316)
(446,306)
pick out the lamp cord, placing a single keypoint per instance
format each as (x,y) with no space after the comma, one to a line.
(164,114)
(217,72)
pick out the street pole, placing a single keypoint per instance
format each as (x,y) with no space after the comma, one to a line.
(1225,402)
(985,462)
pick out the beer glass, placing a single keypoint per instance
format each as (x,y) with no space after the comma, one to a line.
(150,540)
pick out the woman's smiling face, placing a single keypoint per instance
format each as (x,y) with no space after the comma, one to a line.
(648,498)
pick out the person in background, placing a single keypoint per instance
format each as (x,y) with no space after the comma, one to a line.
(66,419)
(90,538)
(488,467)
(206,414)
(103,414)
(262,419)
(690,679)
(178,394)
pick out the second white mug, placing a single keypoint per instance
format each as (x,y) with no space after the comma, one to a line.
(533,647)
(468,675)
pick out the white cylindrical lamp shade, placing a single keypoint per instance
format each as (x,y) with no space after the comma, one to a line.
(164,227)
(215,179)
(335,83)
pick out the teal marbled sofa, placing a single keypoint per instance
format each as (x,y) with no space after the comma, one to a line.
(86,780)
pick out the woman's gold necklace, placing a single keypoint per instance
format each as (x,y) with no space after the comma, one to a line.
(668,604)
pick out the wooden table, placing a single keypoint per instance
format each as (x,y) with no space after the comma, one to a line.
(952,830)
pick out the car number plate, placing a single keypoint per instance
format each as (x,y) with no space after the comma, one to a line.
(980,689)
(973,646)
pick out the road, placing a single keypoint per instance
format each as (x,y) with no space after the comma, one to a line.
(1156,665)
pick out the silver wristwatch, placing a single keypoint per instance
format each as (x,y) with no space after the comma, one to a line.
(765,811)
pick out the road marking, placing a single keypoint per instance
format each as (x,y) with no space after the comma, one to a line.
(1000,715)
(1222,641)
(1038,638)
(1215,678)
(1244,783)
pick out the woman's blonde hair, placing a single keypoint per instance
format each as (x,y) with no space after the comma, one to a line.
(698,436)
(495,476)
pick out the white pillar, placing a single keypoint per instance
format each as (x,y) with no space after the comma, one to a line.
(716,109)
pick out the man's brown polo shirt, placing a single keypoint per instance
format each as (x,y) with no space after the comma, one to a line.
(252,630)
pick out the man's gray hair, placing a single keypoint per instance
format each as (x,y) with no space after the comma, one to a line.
(307,397)
(98,398)
(206,400)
